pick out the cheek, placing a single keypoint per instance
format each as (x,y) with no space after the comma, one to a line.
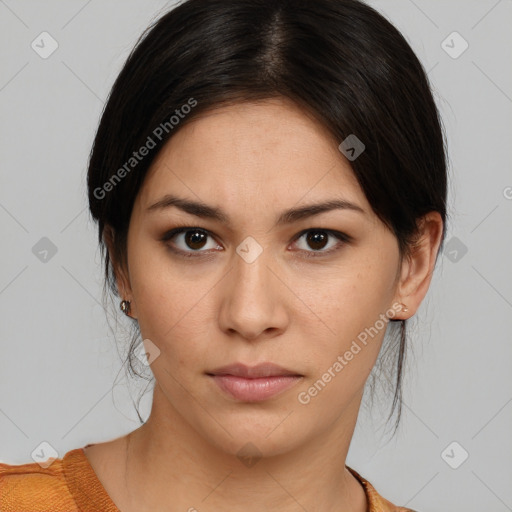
(341,360)
(173,308)
(346,311)
(161,296)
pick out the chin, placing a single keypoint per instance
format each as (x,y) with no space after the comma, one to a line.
(250,437)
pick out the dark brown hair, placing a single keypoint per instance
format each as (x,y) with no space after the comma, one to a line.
(338,60)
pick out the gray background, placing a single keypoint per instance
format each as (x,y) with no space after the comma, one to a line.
(59,359)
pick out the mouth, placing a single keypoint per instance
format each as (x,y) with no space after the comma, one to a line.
(254,383)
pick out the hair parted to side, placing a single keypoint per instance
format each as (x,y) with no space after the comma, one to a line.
(340,61)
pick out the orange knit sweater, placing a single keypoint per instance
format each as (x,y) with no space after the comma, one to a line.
(70,484)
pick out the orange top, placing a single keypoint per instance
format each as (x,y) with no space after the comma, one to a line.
(70,484)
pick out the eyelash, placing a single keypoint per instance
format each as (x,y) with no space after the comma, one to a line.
(342,237)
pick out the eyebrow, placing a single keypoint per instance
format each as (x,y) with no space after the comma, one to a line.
(205,211)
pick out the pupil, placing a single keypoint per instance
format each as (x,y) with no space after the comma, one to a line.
(316,237)
(195,237)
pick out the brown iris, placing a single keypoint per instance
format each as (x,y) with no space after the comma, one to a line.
(316,239)
(195,239)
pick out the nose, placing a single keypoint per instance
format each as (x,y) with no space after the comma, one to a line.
(253,299)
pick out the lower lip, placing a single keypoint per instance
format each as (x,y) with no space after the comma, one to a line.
(256,389)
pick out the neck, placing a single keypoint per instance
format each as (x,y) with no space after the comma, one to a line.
(167,461)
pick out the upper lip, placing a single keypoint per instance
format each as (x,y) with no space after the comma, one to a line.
(259,370)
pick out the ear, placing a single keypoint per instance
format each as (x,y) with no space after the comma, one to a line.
(418,265)
(120,271)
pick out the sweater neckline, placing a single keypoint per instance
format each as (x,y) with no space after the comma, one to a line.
(88,491)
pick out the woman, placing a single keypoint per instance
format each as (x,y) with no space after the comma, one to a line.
(269,183)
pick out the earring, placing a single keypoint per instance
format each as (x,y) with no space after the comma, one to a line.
(125,307)
(403,309)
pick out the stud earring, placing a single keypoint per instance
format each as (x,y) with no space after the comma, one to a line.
(403,309)
(125,307)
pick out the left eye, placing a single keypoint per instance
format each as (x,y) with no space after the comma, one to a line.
(318,239)
(194,240)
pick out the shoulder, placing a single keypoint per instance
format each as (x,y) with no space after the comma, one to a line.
(35,487)
(376,502)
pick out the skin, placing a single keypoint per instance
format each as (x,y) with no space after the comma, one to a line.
(255,160)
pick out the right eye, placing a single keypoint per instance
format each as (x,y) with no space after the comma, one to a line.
(191,239)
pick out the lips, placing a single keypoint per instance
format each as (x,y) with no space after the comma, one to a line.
(253,383)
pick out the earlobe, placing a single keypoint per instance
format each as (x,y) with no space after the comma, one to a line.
(418,265)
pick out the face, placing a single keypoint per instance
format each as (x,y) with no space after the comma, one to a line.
(309,291)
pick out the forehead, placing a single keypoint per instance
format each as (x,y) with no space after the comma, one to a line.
(259,155)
